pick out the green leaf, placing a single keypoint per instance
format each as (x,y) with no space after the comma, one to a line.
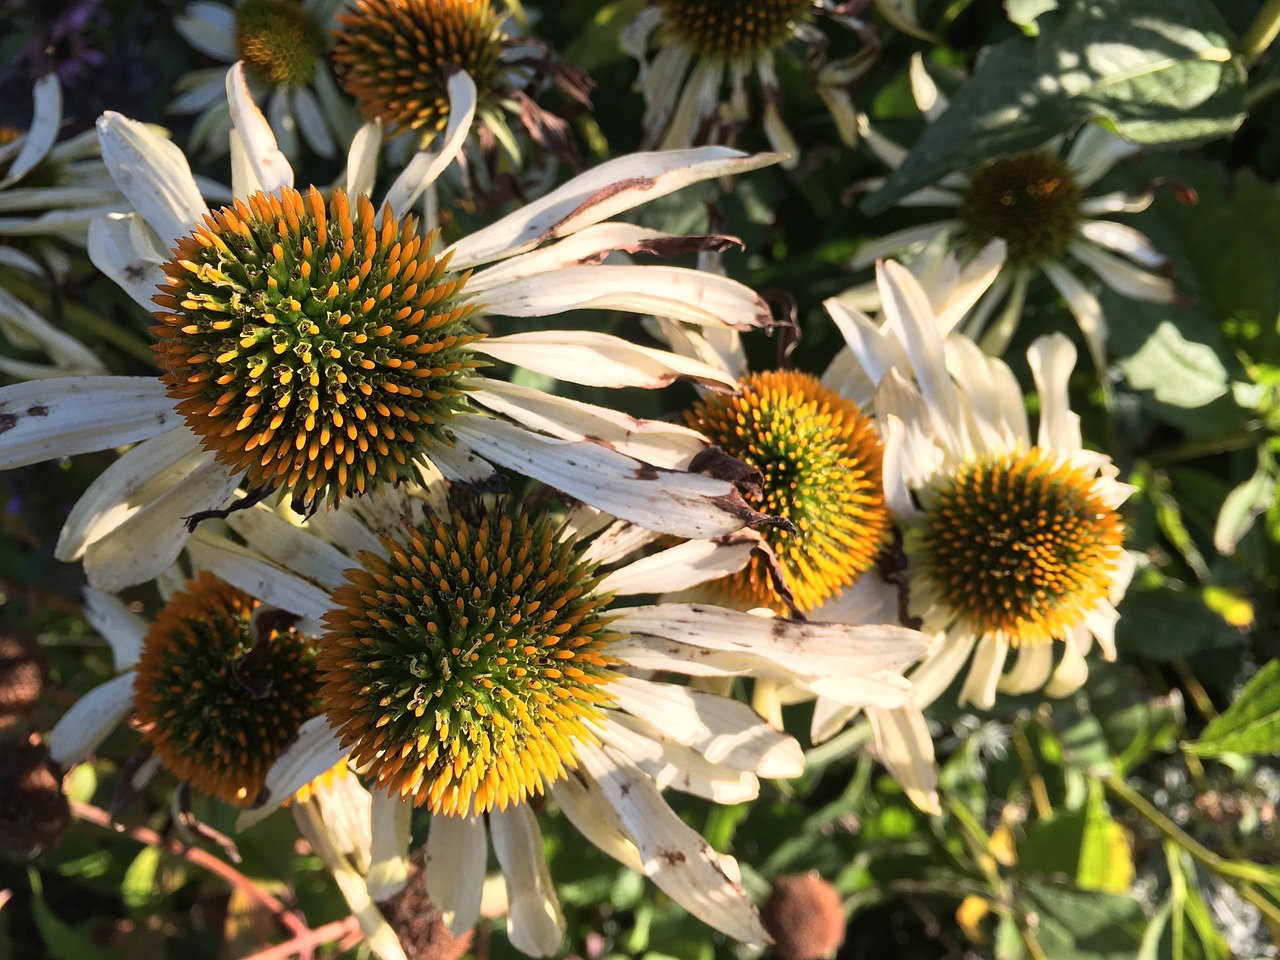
(139,884)
(1087,846)
(1245,504)
(1158,71)
(1075,924)
(1252,724)
(61,940)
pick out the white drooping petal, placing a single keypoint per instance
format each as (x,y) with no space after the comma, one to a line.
(389,845)
(911,455)
(592,197)
(997,413)
(315,750)
(682,504)
(20,323)
(210,28)
(123,629)
(1072,672)
(270,167)
(1031,671)
(904,746)
(247,571)
(347,808)
(90,720)
(1123,277)
(974,280)
(675,857)
(62,417)
(900,240)
(679,567)
(293,548)
(931,678)
(535,925)
(152,172)
(874,352)
(312,123)
(1124,239)
(379,937)
(697,103)
(581,801)
(931,101)
(154,533)
(425,167)
(1084,306)
(724,731)
(599,360)
(123,247)
(128,485)
(1094,151)
(362,159)
(652,441)
(39,139)
(677,293)
(456,855)
(1052,358)
(984,674)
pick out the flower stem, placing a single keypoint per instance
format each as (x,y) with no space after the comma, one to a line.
(1261,33)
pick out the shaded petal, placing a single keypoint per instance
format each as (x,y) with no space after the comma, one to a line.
(292,548)
(315,750)
(904,746)
(210,28)
(425,167)
(671,764)
(1123,277)
(40,137)
(679,567)
(247,571)
(1084,306)
(1124,239)
(389,845)
(988,662)
(456,855)
(582,802)
(600,193)
(123,629)
(270,167)
(900,240)
(1035,661)
(90,720)
(122,247)
(312,124)
(362,159)
(153,174)
(535,925)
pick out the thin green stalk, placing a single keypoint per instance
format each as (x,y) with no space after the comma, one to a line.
(1261,33)
(1227,869)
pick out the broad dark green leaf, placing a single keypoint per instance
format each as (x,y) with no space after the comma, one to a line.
(1252,724)
(1075,924)
(1159,72)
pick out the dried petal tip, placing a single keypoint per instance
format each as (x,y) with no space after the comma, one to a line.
(22,672)
(33,812)
(804,916)
(419,924)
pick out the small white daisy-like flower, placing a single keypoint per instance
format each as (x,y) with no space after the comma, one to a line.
(706,46)
(1038,203)
(320,348)
(49,193)
(284,46)
(480,655)
(1012,540)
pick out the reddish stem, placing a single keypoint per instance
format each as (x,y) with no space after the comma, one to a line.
(343,930)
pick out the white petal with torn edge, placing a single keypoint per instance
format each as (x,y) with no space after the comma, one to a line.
(676,293)
(90,720)
(652,441)
(456,856)
(685,505)
(724,731)
(675,857)
(671,764)
(600,193)
(292,547)
(600,360)
(123,629)
(153,174)
(535,925)
(65,416)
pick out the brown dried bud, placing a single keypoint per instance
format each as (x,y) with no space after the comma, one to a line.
(418,923)
(22,672)
(804,916)
(33,811)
